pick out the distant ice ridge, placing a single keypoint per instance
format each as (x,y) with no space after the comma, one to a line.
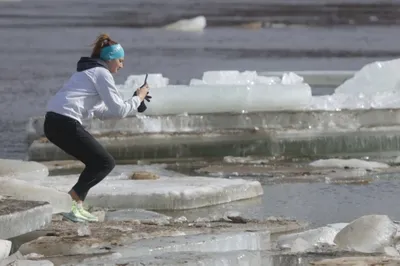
(223,91)
(196,24)
(375,86)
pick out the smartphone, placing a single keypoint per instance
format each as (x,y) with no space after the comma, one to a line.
(144,83)
(145,80)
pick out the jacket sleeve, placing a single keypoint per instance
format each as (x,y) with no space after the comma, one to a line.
(101,111)
(114,105)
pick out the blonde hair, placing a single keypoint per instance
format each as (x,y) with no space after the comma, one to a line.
(103,40)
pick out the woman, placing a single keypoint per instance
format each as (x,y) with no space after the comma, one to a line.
(89,92)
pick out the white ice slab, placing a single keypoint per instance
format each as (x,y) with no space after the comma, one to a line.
(375,77)
(223,242)
(15,181)
(223,91)
(23,190)
(232,258)
(5,248)
(351,163)
(31,263)
(375,86)
(198,23)
(24,170)
(369,233)
(135,214)
(228,98)
(166,193)
(314,237)
(21,217)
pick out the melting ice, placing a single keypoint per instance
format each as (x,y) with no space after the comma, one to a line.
(376,85)
(223,91)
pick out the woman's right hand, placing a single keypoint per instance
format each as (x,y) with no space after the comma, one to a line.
(142,92)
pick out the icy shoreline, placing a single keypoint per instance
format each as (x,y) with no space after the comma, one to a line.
(137,236)
(134,236)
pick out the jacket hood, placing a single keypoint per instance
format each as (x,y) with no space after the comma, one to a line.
(86,63)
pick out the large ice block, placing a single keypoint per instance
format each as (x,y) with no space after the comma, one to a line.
(222,91)
(22,190)
(17,169)
(5,248)
(369,233)
(318,120)
(222,242)
(271,143)
(20,217)
(231,258)
(180,99)
(166,193)
(350,163)
(375,86)
(378,76)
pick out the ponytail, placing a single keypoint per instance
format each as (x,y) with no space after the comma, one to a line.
(103,40)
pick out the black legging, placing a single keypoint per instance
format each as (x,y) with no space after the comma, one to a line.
(69,135)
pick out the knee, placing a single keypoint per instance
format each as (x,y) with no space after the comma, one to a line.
(104,164)
(109,163)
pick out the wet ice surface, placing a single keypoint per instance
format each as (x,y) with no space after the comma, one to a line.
(170,192)
(321,203)
(307,201)
(302,201)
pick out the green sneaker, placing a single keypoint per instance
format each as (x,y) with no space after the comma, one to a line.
(72,217)
(84,213)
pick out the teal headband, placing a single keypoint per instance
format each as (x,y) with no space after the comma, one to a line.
(111,52)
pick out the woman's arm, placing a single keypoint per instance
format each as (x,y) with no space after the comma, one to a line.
(114,105)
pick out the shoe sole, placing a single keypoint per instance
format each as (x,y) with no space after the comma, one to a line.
(90,219)
(73,218)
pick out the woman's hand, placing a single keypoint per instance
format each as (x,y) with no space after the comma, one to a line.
(142,91)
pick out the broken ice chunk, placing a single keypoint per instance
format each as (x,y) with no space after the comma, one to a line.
(350,163)
(369,234)
(5,248)
(198,23)
(375,77)
(84,230)
(315,237)
(234,77)
(291,78)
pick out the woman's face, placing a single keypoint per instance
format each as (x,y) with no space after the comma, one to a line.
(115,65)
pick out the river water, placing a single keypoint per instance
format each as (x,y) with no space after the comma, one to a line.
(41,41)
